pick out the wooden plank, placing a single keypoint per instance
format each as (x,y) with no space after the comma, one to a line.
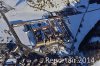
(47,43)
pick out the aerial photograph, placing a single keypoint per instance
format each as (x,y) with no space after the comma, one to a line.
(49,32)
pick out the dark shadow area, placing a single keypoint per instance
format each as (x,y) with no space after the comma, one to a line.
(86,44)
